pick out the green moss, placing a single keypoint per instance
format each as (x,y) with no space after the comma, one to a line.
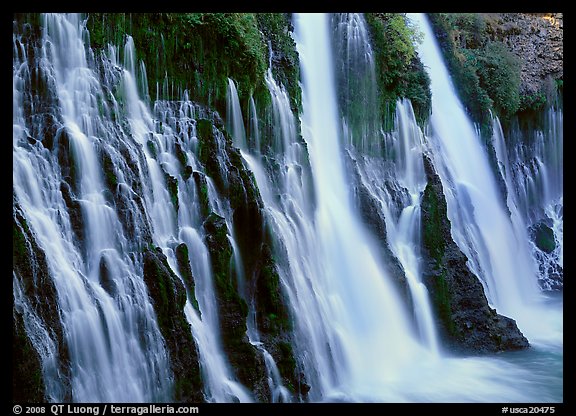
(432,229)
(198,51)
(499,73)
(110,177)
(400,72)
(19,242)
(486,73)
(172,184)
(287,364)
(221,254)
(169,298)
(202,188)
(180,154)
(27,378)
(442,301)
(532,102)
(271,301)
(152,148)
(204,129)
(276,28)
(544,238)
(183,260)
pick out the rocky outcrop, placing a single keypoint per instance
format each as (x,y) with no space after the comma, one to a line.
(465,320)
(247,363)
(275,322)
(551,270)
(168,296)
(537,39)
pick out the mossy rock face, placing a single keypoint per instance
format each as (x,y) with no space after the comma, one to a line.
(509,64)
(272,314)
(432,233)
(183,259)
(275,321)
(400,73)
(110,177)
(168,297)
(198,51)
(276,28)
(202,189)
(248,364)
(66,159)
(208,153)
(465,321)
(261,279)
(172,184)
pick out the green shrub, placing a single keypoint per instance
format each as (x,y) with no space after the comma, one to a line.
(499,72)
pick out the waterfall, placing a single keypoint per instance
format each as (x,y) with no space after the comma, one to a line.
(106,178)
(531,164)
(235,122)
(235,119)
(116,351)
(398,186)
(359,309)
(356,76)
(494,241)
(395,157)
(173,225)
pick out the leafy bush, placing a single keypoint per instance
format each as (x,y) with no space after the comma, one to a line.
(499,72)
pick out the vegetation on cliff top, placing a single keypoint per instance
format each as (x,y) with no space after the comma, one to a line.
(194,51)
(486,73)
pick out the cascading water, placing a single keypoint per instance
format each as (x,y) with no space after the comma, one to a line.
(123,176)
(236,125)
(399,197)
(356,75)
(396,157)
(531,164)
(103,302)
(359,308)
(109,360)
(495,243)
(173,226)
